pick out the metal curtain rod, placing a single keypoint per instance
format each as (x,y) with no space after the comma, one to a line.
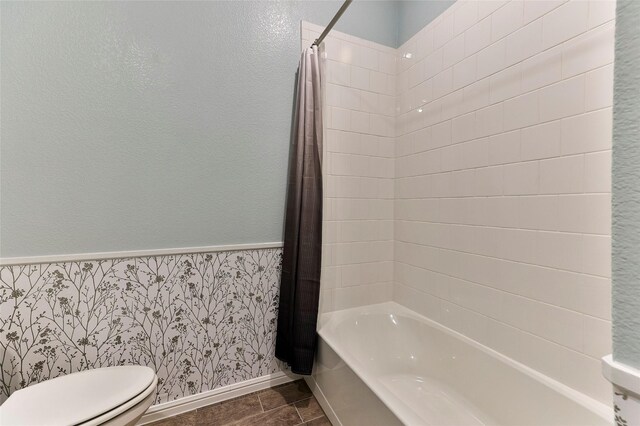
(335,19)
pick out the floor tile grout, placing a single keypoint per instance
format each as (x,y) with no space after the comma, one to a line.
(298,412)
(260,401)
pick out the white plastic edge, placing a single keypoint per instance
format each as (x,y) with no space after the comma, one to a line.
(8,261)
(621,375)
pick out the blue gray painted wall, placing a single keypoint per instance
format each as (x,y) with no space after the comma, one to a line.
(145,125)
(626,185)
(413,15)
(140,125)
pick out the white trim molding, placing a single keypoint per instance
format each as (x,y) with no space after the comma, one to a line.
(621,375)
(626,391)
(8,261)
(224,393)
(322,400)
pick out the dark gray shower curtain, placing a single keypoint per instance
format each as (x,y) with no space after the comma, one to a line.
(300,281)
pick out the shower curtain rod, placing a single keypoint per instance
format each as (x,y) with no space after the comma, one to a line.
(335,19)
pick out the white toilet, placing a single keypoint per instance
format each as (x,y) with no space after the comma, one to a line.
(114,396)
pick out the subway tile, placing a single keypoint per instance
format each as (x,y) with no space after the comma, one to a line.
(465,16)
(443,83)
(360,78)
(340,119)
(464,72)
(433,63)
(338,73)
(365,57)
(587,132)
(505,84)
(562,175)
(475,96)
(507,19)
(524,43)
(535,9)
(360,122)
(415,73)
(521,111)
(541,141)
(443,31)
(597,172)
(521,178)
(487,7)
(596,336)
(589,51)
(560,250)
(386,63)
(565,22)
(562,99)
(441,134)
(491,59)
(424,42)
(477,37)
(490,120)
(599,88)
(601,11)
(558,325)
(453,52)
(450,105)
(597,255)
(463,128)
(489,181)
(542,69)
(504,148)
(420,302)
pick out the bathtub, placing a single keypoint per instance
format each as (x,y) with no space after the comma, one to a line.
(385,365)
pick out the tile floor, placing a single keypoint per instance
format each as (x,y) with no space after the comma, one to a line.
(285,405)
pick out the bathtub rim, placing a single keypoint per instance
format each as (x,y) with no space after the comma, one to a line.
(330,320)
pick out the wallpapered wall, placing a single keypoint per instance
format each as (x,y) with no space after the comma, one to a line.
(200,320)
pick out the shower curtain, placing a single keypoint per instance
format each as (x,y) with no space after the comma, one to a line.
(300,281)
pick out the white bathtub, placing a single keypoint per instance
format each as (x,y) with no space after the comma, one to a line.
(385,364)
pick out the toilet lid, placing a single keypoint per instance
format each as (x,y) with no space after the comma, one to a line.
(75,398)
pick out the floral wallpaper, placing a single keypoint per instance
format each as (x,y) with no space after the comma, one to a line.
(200,320)
(626,407)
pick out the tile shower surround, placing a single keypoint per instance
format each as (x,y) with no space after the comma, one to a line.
(492,180)
(201,320)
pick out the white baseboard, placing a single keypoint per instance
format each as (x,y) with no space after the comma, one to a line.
(322,400)
(189,403)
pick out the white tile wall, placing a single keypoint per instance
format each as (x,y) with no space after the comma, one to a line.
(502,190)
(470,180)
(359,170)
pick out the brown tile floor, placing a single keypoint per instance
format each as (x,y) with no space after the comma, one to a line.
(285,405)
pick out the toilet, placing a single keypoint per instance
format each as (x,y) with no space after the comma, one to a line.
(114,396)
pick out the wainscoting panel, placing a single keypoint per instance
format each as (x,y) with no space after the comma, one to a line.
(200,320)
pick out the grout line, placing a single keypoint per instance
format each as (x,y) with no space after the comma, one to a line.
(522,330)
(558,45)
(507,260)
(260,401)
(298,412)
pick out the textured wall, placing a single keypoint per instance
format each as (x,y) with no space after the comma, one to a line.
(145,125)
(503,199)
(201,321)
(626,186)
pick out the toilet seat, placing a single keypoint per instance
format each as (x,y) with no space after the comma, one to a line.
(90,397)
